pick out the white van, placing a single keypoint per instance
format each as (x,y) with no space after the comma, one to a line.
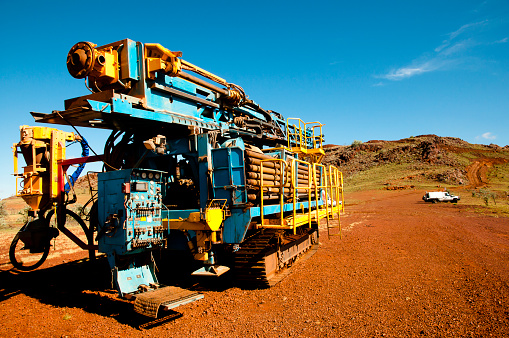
(440,196)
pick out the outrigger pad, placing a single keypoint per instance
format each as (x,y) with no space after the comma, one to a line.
(212,270)
(169,297)
(129,280)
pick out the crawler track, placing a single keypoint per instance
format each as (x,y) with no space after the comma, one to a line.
(266,258)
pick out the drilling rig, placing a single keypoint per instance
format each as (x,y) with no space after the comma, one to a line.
(191,162)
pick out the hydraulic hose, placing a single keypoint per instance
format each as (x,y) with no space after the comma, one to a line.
(84,152)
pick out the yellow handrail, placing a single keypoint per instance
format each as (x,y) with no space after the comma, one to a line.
(306,138)
(296,187)
(316,138)
(297,134)
(281,186)
(323,184)
(290,176)
(336,178)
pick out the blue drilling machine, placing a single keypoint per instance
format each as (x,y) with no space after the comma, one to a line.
(191,162)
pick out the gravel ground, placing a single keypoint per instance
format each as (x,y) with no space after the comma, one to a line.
(402,268)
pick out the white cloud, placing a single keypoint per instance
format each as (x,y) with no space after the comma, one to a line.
(456,48)
(444,44)
(405,72)
(504,40)
(419,67)
(450,53)
(488,136)
(465,28)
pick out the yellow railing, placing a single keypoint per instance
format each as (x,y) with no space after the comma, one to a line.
(294,177)
(296,133)
(335,191)
(281,186)
(321,184)
(295,180)
(306,138)
(316,137)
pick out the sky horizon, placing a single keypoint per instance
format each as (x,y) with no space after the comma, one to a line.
(367,70)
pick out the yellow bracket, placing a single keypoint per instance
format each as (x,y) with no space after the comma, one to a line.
(162,59)
(108,69)
(37,143)
(210,220)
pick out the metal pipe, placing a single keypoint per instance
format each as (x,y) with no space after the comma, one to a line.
(271,182)
(203,83)
(189,66)
(258,155)
(254,197)
(252,160)
(255,164)
(256,160)
(257,169)
(268,177)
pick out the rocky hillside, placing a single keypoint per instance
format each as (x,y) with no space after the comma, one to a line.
(422,160)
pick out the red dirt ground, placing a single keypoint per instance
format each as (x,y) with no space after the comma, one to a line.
(402,269)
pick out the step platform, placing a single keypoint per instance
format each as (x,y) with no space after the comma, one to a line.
(166,297)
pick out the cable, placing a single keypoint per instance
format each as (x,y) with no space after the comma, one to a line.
(86,85)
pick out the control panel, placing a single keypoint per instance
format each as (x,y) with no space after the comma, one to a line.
(130,207)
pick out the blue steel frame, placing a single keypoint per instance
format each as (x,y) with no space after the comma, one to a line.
(166,100)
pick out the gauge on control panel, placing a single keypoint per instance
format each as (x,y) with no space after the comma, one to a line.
(140,186)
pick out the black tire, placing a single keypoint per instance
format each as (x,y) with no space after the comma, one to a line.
(18,263)
(433,201)
(22,266)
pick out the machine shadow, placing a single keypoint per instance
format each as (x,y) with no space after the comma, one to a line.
(86,284)
(80,284)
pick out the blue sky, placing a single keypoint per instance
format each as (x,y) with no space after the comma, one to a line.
(367,69)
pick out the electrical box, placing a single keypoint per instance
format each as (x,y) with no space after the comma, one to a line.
(130,206)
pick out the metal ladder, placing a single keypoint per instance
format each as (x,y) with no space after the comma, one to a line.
(335,186)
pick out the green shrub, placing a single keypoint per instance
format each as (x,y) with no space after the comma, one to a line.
(356,143)
(485,194)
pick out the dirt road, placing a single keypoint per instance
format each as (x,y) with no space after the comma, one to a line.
(403,269)
(477,172)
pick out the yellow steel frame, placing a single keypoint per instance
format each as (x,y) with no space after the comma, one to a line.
(316,138)
(301,138)
(296,184)
(281,186)
(32,192)
(323,184)
(335,189)
(298,136)
(296,187)
(206,224)
(33,185)
(330,180)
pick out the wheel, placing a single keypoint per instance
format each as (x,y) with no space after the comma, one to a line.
(89,232)
(30,247)
(27,259)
